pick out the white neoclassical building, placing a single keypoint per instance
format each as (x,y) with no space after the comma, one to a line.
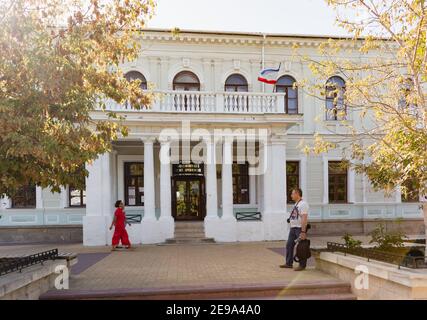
(170,171)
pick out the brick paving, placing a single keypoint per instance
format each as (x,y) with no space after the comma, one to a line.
(182,265)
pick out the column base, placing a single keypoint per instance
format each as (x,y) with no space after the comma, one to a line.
(153,231)
(95,231)
(222,230)
(167,227)
(275,226)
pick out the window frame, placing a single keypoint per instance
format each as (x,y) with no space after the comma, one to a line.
(286,91)
(82,195)
(412,198)
(126,176)
(237,197)
(236,87)
(289,188)
(331,87)
(32,204)
(140,76)
(336,184)
(192,84)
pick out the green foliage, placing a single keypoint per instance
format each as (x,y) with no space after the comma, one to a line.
(386,240)
(350,242)
(58,60)
(385,92)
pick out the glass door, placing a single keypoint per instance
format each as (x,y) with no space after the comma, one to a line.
(188,199)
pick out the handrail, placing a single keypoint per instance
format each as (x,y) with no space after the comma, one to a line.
(209,102)
(375,254)
(12,264)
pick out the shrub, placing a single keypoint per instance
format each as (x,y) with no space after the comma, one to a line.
(350,242)
(387,239)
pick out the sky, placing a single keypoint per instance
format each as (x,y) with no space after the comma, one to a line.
(312,17)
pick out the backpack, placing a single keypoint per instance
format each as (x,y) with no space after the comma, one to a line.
(302,250)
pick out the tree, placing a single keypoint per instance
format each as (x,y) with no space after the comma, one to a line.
(384,65)
(59,60)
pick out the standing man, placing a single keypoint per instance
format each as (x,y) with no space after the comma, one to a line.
(298,229)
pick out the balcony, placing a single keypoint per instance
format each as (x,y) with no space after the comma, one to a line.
(210,102)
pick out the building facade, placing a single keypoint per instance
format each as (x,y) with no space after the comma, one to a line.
(216,146)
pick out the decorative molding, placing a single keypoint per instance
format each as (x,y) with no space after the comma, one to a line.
(201,37)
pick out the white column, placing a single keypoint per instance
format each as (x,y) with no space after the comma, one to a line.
(303,176)
(364,187)
(149,196)
(325,180)
(99,202)
(64,197)
(398,194)
(227,181)
(166,219)
(351,185)
(252,190)
(152,230)
(5,203)
(39,197)
(211,182)
(278,176)
(165,181)
(274,214)
(225,228)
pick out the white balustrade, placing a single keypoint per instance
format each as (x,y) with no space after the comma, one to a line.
(209,102)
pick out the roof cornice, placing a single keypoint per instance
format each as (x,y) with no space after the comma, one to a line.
(242,38)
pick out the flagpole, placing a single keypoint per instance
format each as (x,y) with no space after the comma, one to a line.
(263,57)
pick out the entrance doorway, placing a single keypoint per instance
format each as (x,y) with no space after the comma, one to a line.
(188,192)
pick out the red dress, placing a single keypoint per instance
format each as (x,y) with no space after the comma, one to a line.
(120,233)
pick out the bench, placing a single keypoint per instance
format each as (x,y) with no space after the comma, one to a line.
(248,216)
(133,218)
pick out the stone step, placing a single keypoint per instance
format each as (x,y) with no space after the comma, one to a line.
(189,229)
(330,296)
(189,240)
(191,233)
(189,237)
(314,290)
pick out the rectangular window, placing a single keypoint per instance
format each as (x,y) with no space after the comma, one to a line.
(134,184)
(292,178)
(240,183)
(25,197)
(76,197)
(337,182)
(410,194)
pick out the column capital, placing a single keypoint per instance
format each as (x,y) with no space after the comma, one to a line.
(148,140)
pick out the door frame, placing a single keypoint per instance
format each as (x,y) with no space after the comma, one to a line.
(202,198)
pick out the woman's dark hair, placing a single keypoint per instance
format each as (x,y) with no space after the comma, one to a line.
(118,203)
(298,190)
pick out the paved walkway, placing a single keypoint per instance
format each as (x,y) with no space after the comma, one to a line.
(180,265)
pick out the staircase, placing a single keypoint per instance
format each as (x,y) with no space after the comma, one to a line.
(314,290)
(190,233)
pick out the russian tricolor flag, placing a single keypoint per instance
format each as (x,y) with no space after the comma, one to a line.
(269,75)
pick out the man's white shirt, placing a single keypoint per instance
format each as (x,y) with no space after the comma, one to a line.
(295,219)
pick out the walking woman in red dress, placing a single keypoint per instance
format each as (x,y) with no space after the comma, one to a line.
(119,223)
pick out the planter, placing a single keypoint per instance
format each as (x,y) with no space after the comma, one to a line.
(374,280)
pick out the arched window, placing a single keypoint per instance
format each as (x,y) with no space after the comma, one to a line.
(135,75)
(335,106)
(285,85)
(236,83)
(186,81)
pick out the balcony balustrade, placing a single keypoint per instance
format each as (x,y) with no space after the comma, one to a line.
(210,102)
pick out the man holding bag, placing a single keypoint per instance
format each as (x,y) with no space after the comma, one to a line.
(298,221)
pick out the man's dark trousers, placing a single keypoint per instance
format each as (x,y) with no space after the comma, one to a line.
(290,245)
